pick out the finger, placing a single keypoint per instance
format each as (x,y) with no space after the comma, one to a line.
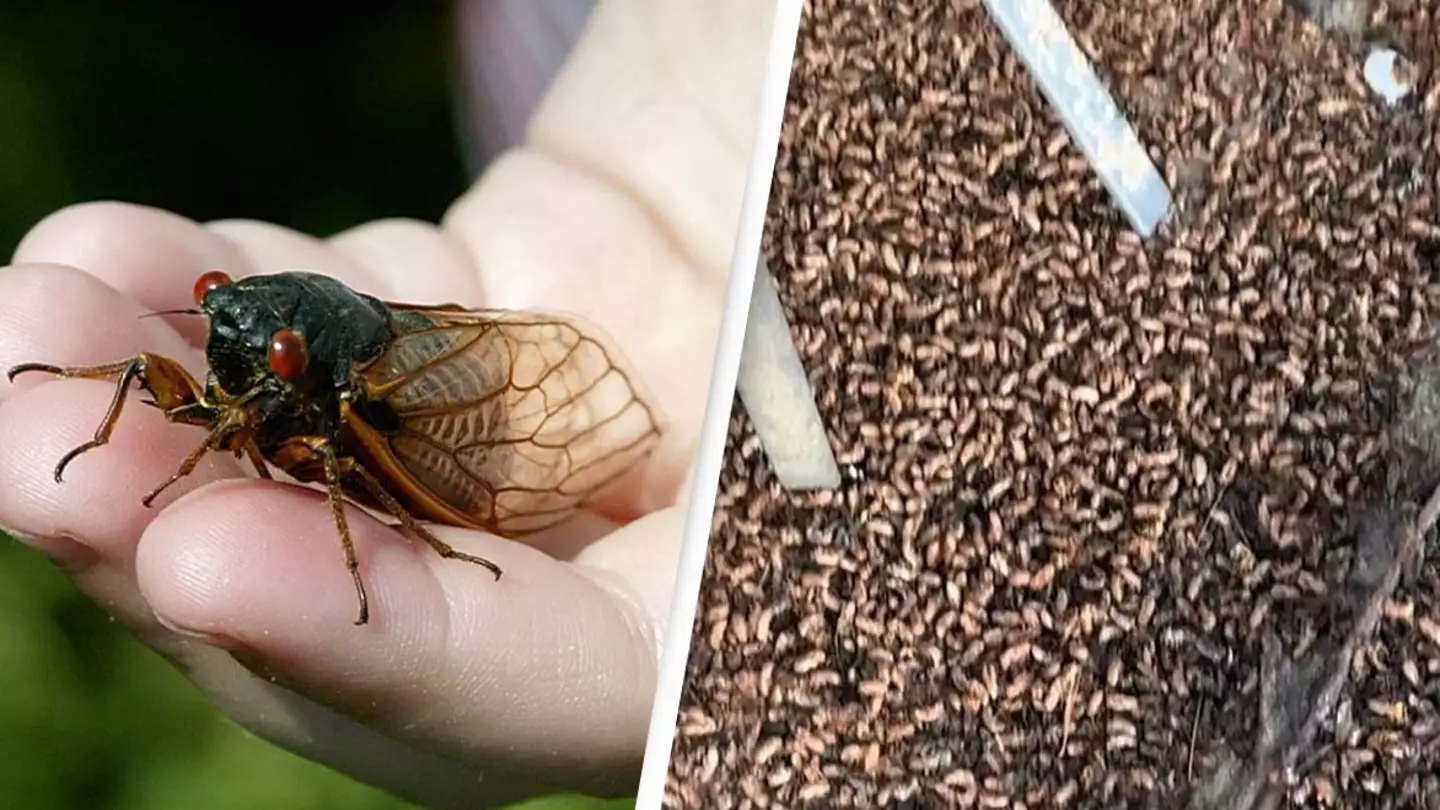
(155,256)
(420,263)
(90,522)
(567,540)
(452,661)
(98,501)
(312,731)
(269,248)
(646,560)
(62,316)
(151,255)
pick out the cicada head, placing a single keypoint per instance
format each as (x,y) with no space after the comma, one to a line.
(289,335)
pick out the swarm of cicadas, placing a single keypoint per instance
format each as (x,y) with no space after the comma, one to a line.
(508,421)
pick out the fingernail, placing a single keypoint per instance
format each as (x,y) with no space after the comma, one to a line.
(67,553)
(208,638)
(243,653)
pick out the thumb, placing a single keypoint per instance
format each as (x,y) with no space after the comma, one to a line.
(546,670)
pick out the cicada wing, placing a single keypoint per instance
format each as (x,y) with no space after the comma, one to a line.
(515,418)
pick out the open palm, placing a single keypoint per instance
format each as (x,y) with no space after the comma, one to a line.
(462,692)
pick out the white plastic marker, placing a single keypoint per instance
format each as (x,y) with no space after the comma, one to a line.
(1380,75)
(766,143)
(778,396)
(1039,36)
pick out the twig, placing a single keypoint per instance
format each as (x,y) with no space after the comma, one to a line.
(1194,731)
(1210,513)
(1068,723)
(1429,514)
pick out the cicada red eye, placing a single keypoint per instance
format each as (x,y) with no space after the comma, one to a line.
(289,354)
(208,282)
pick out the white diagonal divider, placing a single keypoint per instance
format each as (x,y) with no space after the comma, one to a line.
(690,568)
(777,395)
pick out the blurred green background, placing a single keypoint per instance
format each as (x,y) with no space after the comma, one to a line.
(212,111)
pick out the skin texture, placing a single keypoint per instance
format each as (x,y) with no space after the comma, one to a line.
(462,692)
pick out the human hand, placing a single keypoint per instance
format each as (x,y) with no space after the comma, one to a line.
(461,692)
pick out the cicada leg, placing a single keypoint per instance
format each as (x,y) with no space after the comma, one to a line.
(298,456)
(173,389)
(257,460)
(444,549)
(229,420)
(336,494)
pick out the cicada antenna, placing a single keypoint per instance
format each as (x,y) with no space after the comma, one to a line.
(191,311)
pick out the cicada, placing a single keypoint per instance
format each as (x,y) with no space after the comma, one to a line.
(507,421)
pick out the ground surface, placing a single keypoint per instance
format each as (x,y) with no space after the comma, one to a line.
(1116,515)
